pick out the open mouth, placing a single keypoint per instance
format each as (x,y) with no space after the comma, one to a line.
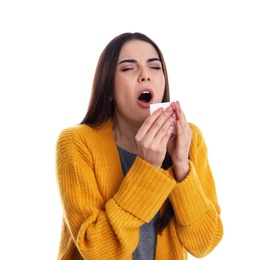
(145,96)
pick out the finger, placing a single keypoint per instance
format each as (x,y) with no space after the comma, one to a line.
(167,129)
(154,122)
(163,135)
(162,123)
(181,124)
(149,121)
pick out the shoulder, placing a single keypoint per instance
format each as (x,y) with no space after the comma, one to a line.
(73,132)
(195,129)
(71,141)
(83,134)
(83,141)
(197,136)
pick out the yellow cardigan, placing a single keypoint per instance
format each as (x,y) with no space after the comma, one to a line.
(103,210)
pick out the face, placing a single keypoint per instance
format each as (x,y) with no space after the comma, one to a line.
(139,81)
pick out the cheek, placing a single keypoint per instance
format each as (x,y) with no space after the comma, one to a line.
(122,91)
(159,90)
(120,81)
(161,83)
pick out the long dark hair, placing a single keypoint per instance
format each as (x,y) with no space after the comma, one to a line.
(101,107)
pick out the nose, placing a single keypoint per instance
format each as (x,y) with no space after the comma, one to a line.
(144,78)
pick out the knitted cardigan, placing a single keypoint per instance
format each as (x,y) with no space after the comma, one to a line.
(103,210)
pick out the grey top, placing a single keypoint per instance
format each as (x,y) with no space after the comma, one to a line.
(148,231)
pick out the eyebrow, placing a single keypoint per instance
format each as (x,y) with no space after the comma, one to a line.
(135,61)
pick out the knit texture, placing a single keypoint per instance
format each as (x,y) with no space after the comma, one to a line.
(103,210)
(148,231)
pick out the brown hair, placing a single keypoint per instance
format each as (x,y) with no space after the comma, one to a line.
(101,107)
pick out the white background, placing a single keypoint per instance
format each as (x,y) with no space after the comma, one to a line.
(220,59)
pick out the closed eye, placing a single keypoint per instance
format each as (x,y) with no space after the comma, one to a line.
(156,68)
(126,69)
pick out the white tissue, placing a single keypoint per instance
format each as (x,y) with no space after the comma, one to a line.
(164,105)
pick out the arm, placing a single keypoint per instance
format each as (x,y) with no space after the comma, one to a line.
(194,200)
(99,227)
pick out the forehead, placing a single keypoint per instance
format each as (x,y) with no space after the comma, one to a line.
(138,50)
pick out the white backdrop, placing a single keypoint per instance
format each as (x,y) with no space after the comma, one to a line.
(220,60)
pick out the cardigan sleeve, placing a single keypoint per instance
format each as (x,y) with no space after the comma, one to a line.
(194,200)
(103,229)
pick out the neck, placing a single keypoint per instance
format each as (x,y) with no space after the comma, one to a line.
(124,135)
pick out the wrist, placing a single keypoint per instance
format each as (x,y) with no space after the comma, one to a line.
(181,171)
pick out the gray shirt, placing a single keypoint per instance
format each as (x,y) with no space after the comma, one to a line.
(148,231)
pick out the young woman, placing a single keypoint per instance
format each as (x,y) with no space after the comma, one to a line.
(129,187)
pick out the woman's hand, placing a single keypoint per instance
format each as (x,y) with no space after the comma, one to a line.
(154,134)
(178,145)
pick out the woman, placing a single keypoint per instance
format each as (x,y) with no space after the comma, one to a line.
(129,187)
